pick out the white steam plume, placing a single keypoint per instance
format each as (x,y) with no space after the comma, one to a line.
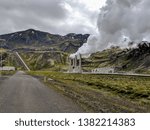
(117,20)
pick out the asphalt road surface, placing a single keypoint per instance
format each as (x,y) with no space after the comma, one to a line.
(23,93)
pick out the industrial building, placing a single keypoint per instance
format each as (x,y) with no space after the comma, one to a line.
(75,64)
(105,70)
(7,68)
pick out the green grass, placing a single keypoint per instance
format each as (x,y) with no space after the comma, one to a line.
(45,60)
(134,86)
(92,90)
(7,72)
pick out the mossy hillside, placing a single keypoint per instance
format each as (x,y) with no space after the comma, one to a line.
(9,59)
(46,60)
(132,59)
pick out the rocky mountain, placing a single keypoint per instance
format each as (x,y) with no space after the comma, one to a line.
(34,39)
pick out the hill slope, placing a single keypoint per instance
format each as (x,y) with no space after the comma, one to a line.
(53,51)
(132,59)
(34,39)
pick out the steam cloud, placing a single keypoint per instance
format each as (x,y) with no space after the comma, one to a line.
(118,20)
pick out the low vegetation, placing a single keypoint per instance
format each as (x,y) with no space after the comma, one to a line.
(3,73)
(56,61)
(135,60)
(130,59)
(103,93)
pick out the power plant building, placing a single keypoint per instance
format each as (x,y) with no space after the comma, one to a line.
(75,64)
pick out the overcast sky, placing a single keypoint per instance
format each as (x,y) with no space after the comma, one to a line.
(54,16)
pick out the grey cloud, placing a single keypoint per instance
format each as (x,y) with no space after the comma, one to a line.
(23,14)
(45,15)
(80,7)
(52,8)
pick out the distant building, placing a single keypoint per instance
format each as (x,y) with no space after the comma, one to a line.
(105,70)
(75,64)
(8,68)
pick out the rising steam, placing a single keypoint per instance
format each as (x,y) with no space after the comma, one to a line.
(120,19)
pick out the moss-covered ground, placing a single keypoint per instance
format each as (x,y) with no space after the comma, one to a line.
(102,93)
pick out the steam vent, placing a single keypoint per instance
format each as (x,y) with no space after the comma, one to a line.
(75,64)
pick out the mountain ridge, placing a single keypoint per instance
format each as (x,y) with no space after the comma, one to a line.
(35,38)
(54,50)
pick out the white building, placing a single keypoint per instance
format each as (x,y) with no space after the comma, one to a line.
(105,70)
(7,68)
(75,64)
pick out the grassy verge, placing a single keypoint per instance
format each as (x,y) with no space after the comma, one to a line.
(103,93)
(7,72)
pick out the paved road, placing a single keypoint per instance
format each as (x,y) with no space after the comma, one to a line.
(23,93)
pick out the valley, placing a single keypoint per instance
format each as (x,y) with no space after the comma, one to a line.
(47,54)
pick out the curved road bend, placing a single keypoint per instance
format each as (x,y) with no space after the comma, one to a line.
(23,93)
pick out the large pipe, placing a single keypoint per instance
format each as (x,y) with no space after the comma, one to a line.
(22,61)
(80,60)
(75,61)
